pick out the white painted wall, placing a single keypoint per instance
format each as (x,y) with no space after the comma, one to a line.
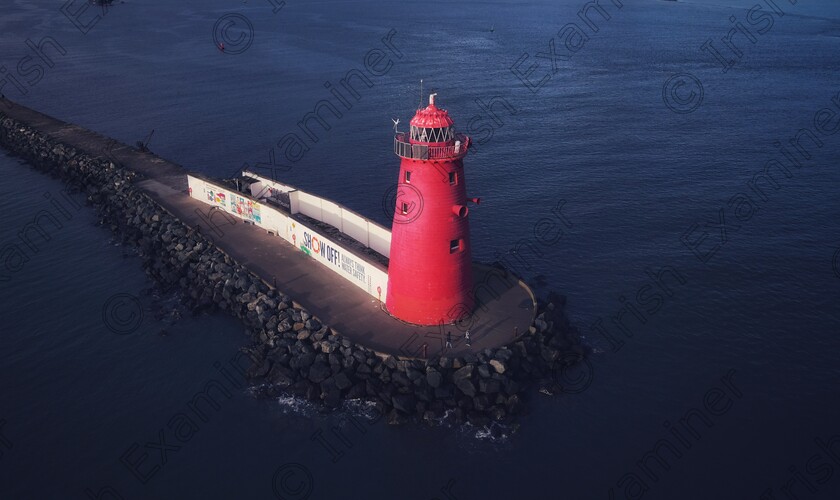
(347,221)
(346,263)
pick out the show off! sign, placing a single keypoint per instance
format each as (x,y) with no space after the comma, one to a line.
(312,245)
(340,259)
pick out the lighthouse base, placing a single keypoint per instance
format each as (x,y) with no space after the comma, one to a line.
(453,314)
(504,309)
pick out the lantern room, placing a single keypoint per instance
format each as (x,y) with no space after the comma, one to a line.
(432,125)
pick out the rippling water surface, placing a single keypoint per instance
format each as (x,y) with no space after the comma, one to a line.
(632,177)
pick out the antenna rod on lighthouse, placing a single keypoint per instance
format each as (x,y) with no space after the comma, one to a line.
(420,105)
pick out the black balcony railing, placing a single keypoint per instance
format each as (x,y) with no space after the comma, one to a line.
(405,149)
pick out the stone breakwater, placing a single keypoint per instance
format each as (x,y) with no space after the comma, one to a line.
(291,351)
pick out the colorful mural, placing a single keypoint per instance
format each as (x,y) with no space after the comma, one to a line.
(246,208)
(216,197)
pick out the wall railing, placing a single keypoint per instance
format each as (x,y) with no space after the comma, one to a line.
(404,149)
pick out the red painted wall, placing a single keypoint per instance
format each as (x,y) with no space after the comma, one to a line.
(428,283)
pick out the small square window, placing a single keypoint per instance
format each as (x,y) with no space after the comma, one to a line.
(454,246)
(407,177)
(404,208)
(453,178)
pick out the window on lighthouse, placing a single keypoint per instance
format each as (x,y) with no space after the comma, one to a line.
(407,177)
(432,134)
(454,246)
(453,178)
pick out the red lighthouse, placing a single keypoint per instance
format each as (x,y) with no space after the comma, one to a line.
(430,271)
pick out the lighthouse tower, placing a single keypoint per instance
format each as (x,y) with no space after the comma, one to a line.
(430,271)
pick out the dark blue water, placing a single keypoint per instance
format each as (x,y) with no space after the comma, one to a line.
(631,175)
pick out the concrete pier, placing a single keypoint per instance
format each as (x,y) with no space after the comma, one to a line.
(508,306)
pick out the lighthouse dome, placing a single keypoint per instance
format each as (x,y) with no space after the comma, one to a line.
(432,124)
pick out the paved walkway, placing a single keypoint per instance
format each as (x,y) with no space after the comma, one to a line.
(336,302)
